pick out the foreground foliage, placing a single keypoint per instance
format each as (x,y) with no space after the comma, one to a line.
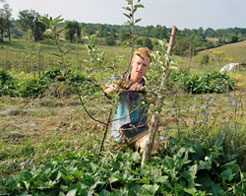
(187,168)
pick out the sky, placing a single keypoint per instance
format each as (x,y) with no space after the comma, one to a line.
(216,14)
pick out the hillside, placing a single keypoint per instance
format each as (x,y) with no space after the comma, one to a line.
(229,53)
(22,55)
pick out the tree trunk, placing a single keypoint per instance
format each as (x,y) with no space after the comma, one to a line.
(1,35)
(9,34)
(156,116)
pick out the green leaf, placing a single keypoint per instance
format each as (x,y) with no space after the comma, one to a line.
(129,2)
(68,50)
(139,6)
(227,174)
(137,20)
(161,179)
(113,179)
(151,189)
(136,156)
(193,171)
(56,54)
(190,190)
(104,193)
(128,16)
(27,185)
(204,165)
(145,181)
(72,192)
(169,162)
(127,8)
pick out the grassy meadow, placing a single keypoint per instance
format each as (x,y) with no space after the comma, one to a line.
(36,131)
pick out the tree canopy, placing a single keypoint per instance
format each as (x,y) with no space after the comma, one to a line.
(29,20)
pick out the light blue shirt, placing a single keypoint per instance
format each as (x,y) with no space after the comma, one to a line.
(130,117)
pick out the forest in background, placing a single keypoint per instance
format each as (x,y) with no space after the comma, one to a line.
(188,41)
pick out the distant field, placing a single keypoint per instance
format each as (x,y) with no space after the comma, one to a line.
(212,39)
(21,54)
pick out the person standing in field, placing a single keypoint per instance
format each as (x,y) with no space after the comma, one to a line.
(130,119)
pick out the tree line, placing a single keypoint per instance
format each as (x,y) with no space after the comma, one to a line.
(187,40)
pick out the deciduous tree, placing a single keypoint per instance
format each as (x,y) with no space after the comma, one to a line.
(5,20)
(72,29)
(30,19)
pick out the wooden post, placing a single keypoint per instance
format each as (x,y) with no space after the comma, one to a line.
(156,116)
(6,58)
(39,64)
(77,53)
(190,57)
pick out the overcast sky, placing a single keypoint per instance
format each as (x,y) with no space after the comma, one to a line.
(181,13)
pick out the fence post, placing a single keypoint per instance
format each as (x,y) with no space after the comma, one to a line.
(6,58)
(77,53)
(39,64)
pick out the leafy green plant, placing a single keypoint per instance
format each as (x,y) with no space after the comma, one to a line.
(31,87)
(34,87)
(189,168)
(213,82)
(7,84)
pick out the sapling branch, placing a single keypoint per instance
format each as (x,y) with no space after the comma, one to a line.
(105,131)
(89,114)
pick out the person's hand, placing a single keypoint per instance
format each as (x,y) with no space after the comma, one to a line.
(137,87)
(125,85)
(118,86)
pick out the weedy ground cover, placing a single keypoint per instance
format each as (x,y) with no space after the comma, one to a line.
(46,135)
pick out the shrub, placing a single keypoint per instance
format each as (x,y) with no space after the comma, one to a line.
(7,84)
(31,87)
(74,82)
(214,82)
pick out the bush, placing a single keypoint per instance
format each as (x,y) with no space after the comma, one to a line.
(7,84)
(214,82)
(76,83)
(32,87)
